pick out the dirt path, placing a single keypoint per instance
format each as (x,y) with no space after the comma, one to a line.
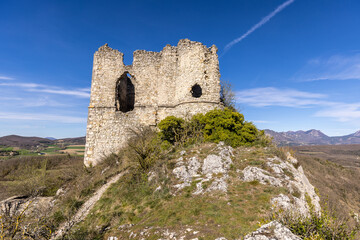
(85,208)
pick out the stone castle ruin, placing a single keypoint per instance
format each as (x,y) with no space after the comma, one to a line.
(180,80)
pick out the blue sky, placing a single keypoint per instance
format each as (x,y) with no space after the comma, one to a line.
(293,64)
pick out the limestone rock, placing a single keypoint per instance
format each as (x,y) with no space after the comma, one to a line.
(214,169)
(283,173)
(272,231)
(282,201)
(35,206)
(254,173)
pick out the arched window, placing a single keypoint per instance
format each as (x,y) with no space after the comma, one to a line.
(196,91)
(124,93)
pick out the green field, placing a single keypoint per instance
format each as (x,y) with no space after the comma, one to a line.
(49,150)
(76,147)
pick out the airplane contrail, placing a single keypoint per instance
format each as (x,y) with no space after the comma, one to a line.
(259,24)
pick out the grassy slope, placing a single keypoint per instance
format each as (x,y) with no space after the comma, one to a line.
(29,175)
(133,200)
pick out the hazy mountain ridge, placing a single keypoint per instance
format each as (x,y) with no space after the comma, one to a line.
(33,142)
(311,137)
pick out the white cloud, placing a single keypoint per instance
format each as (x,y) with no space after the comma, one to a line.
(34,87)
(337,67)
(42,117)
(265,97)
(258,25)
(342,112)
(6,78)
(75,93)
(269,96)
(10,98)
(40,102)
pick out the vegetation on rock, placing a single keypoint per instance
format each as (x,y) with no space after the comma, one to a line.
(318,225)
(216,125)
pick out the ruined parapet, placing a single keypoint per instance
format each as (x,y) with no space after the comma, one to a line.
(179,80)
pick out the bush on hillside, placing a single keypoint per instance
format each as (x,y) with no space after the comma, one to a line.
(228,126)
(318,225)
(216,125)
(145,146)
(171,129)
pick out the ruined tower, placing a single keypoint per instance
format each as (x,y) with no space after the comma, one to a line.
(179,80)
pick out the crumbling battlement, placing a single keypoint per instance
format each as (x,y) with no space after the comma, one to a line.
(180,80)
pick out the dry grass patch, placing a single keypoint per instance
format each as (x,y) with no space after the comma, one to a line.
(37,175)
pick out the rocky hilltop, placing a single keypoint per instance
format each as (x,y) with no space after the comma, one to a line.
(208,191)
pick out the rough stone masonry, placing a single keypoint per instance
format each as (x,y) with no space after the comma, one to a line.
(180,80)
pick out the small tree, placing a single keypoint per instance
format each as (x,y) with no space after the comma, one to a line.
(227,95)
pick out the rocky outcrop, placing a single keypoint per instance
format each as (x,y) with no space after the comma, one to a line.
(210,174)
(34,206)
(286,173)
(271,231)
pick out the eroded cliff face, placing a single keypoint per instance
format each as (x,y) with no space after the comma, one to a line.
(178,81)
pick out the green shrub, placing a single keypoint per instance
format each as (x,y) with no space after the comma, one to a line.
(318,225)
(171,129)
(216,125)
(178,131)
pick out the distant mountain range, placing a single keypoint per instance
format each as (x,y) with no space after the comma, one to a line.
(50,138)
(290,138)
(311,137)
(34,142)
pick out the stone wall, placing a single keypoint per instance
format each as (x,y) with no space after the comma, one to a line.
(164,84)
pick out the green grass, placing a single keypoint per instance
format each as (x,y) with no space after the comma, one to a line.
(75,147)
(6,148)
(51,149)
(27,152)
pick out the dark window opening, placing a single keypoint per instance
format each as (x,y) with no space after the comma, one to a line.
(196,91)
(125,94)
